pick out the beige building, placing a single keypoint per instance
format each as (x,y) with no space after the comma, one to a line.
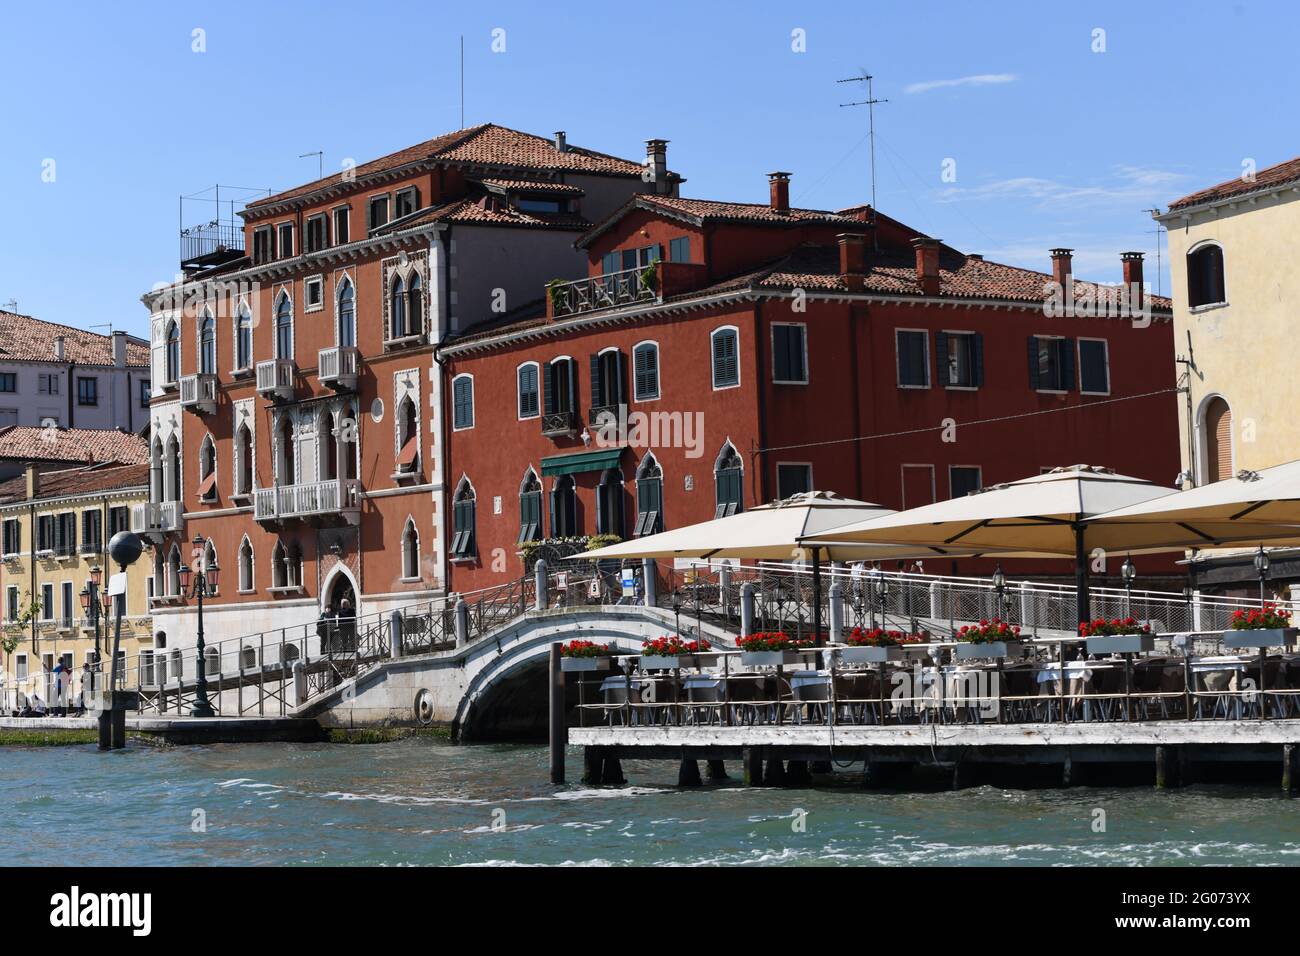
(1232,250)
(56,528)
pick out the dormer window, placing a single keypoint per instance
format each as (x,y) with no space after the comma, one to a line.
(526,204)
(407,201)
(284,240)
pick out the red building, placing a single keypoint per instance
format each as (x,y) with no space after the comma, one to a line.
(297,423)
(765,350)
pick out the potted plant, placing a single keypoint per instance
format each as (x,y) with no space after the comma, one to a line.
(1118,636)
(669,652)
(876,646)
(578,655)
(1267,626)
(771,649)
(991,637)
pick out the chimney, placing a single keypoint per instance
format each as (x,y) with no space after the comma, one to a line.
(119,349)
(561,143)
(853,260)
(58,348)
(33,481)
(927,265)
(779,184)
(1063,267)
(656,161)
(1132,262)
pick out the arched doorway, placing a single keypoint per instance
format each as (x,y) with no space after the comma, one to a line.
(338,620)
(1217,436)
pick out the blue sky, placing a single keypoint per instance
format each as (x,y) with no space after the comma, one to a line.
(1053,143)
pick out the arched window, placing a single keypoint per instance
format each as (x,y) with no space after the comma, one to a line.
(243,460)
(294,564)
(245,565)
(284,457)
(173,356)
(559,387)
(415,306)
(408,438)
(728,476)
(649,497)
(347,443)
(609,503)
(529,400)
(208,345)
(397,309)
(283,328)
(327,445)
(1205,275)
(279,566)
(174,572)
(462,400)
(157,488)
(564,508)
(462,539)
(207,489)
(726,357)
(244,339)
(410,551)
(645,371)
(1218,440)
(172,465)
(530,508)
(347,313)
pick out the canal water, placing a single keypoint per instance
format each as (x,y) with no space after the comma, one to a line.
(429,802)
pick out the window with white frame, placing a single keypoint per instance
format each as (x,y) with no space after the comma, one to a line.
(793,478)
(284,240)
(347,315)
(913,358)
(462,401)
(313,294)
(789,353)
(649,497)
(725,343)
(243,339)
(645,371)
(959,356)
(528,391)
(530,508)
(245,565)
(1094,367)
(463,544)
(728,478)
(284,327)
(342,223)
(411,551)
(1051,363)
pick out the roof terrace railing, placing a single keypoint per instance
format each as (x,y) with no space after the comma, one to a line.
(603,291)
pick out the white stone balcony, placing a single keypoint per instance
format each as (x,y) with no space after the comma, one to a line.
(603,291)
(156,518)
(337,367)
(199,393)
(337,498)
(275,378)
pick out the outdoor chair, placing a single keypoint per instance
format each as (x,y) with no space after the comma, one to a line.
(857,694)
(1156,682)
(1273,669)
(751,696)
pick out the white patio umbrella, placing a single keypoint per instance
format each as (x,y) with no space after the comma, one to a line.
(773,532)
(1043,515)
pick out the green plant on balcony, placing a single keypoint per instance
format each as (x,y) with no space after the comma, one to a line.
(554,291)
(649,276)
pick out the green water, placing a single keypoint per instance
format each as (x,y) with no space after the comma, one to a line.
(429,802)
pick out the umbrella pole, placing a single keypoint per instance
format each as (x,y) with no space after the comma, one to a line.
(1083,606)
(817,597)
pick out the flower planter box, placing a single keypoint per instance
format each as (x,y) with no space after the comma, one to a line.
(571,664)
(654,662)
(1261,637)
(1121,644)
(770,658)
(968,650)
(868,654)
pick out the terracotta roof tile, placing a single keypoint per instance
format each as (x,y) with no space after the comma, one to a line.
(84,480)
(35,443)
(29,339)
(486,145)
(488,211)
(1278,175)
(534,185)
(710,210)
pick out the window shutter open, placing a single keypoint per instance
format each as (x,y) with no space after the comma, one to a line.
(1067,365)
(977,359)
(573,386)
(596,398)
(548,389)
(941,358)
(1033,362)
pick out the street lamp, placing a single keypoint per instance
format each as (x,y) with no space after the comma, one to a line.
(882,593)
(123,550)
(1261,568)
(1128,574)
(1000,586)
(205,582)
(90,604)
(677,613)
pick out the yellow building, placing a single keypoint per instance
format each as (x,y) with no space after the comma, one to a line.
(1232,250)
(56,528)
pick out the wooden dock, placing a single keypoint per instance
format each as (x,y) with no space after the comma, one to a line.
(182,730)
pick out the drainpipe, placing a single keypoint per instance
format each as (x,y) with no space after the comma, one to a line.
(72,420)
(441,252)
(758,463)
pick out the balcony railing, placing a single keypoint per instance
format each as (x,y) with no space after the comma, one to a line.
(337,496)
(275,378)
(607,414)
(156,517)
(603,291)
(199,393)
(338,367)
(559,423)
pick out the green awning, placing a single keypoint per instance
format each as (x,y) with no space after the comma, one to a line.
(583,461)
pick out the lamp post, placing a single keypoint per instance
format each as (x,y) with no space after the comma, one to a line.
(1261,568)
(1128,574)
(677,613)
(882,594)
(205,582)
(124,549)
(90,604)
(1000,588)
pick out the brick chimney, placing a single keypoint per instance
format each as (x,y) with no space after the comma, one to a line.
(33,481)
(561,142)
(853,260)
(656,161)
(779,184)
(1132,262)
(119,349)
(1063,267)
(927,265)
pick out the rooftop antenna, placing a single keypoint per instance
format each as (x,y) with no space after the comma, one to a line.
(870,103)
(320,162)
(10,306)
(1158,230)
(462,81)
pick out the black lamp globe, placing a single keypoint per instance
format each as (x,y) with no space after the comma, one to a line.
(125,548)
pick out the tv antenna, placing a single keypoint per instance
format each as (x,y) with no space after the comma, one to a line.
(1158,230)
(870,103)
(320,162)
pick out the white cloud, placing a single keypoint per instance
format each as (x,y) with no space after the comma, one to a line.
(1128,184)
(981,79)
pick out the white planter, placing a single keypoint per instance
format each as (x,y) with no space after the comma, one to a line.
(1261,637)
(871,655)
(654,662)
(968,650)
(770,658)
(571,664)
(1121,644)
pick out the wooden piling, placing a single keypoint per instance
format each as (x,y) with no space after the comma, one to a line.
(961,773)
(612,772)
(1289,779)
(716,770)
(593,765)
(752,759)
(796,774)
(559,732)
(1167,767)
(688,773)
(774,772)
